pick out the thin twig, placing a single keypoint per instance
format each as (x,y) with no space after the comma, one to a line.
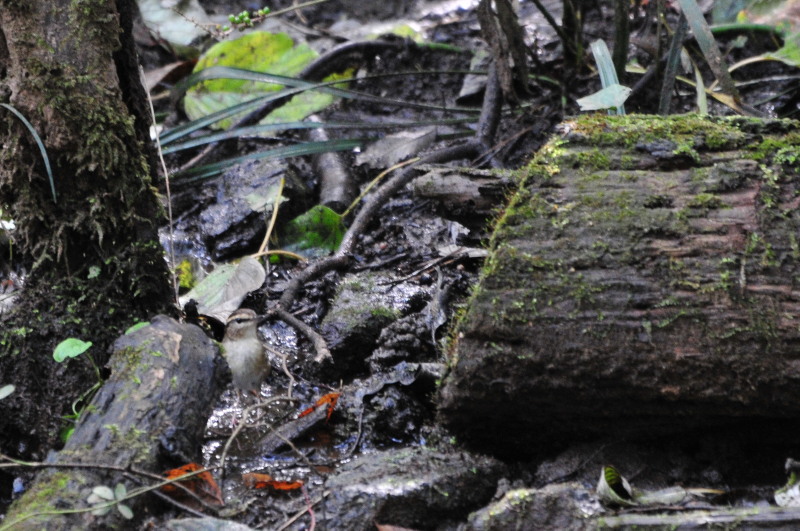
(487,129)
(243,424)
(265,244)
(319,342)
(297,516)
(173,265)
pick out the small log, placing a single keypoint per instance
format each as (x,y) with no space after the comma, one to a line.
(149,415)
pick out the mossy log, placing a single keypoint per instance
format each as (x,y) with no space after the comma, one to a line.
(643,279)
(149,415)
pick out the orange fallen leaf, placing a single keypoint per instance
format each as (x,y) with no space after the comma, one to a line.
(201,484)
(330,399)
(255,480)
(286,485)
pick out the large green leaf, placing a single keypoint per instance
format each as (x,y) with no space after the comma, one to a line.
(222,291)
(790,52)
(260,51)
(306,103)
(315,233)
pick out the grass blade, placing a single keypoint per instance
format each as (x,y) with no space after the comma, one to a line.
(307,148)
(39,143)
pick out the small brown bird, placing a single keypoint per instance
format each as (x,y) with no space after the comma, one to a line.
(244,352)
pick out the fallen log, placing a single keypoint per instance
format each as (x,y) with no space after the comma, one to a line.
(149,416)
(644,279)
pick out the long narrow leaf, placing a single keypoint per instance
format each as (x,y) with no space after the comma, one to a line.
(671,68)
(227,72)
(605,65)
(254,130)
(39,143)
(189,128)
(705,39)
(702,100)
(307,148)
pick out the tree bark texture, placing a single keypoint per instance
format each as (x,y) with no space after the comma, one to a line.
(644,279)
(62,75)
(150,415)
(93,257)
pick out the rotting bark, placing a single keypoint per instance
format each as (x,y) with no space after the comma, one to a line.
(732,518)
(642,280)
(94,262)
(148,416)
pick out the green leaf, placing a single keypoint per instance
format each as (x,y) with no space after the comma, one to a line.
(66,433)
(104,492)
(221,292)
(607,98)
(306,103)
(120,491)
(259,51)
(315,233)
(614,489)
(133,328)
(125,511)
(6,390)
(789,54)
(70,348)
(612,91)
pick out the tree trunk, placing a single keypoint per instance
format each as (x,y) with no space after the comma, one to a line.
(94,262)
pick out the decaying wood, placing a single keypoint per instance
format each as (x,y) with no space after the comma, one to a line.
(148,415)
(644,279)
(738,518)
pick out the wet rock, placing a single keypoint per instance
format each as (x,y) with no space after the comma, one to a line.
(417,488)
(554,507)
(407,339)
(466,195)
(236,220)
(602,311)
(365,303)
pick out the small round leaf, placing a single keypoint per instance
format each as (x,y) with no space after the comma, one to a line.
(137,326)
(125,511)
(103,492)
(6,390)
(70,348)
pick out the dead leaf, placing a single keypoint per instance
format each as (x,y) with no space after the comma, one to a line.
(330,399)
(202,485)
(255,480)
